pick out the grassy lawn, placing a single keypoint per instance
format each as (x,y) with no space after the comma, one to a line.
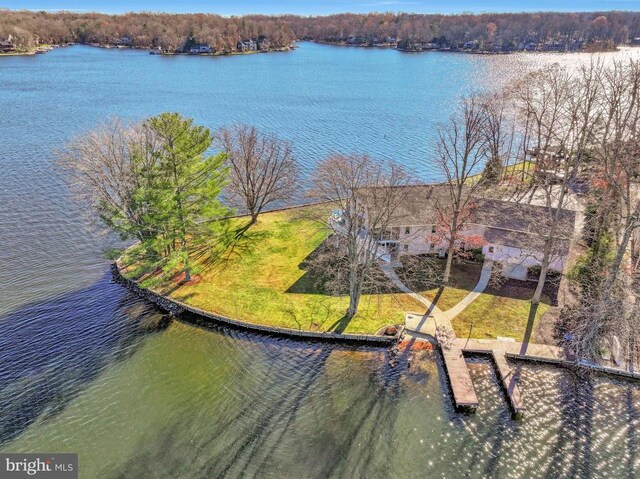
(500,311)
(521,171)
(493,315)
(263,283)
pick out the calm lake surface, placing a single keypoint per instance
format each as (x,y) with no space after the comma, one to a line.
(81,372)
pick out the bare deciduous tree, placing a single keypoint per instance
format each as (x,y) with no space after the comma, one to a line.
(366,195)
(617,156)
(460,153)
(557,115)
(608,325)
(263,168)
(498,133)
(104,169)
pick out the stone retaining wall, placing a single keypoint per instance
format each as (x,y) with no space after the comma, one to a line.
(576,366)
(183,310)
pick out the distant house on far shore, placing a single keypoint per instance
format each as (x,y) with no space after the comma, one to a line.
(199,48)
(247,45)
(7,46)
(122,42)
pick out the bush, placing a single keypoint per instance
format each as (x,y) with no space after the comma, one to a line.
(534,273)
(476,255)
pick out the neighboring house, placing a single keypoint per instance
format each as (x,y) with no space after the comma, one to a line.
(7,46)
(123,42)
(263,44)
(200,48)
(511,233)
(247,45)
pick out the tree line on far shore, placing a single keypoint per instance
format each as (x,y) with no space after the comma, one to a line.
(172,32)
(553,138)
(167,32)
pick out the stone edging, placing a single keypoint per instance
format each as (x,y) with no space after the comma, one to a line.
(179,308)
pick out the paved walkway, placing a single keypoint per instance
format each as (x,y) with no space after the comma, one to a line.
(540,352)
(428,322)
(388,270)
(477,291)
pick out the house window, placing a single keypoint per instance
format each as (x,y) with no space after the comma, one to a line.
(406,248)
(490,249)
(433,228)
(407,230)
(432,247)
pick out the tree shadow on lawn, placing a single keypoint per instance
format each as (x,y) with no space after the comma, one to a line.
(524,290)
(237,242)
(464,276)
(313,282)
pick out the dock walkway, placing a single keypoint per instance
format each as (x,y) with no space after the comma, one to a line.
(464,394)
(508,379)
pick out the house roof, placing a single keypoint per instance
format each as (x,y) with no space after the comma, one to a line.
(509,223)
(526,241)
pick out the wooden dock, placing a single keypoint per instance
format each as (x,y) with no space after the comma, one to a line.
(508,379)
(464,394)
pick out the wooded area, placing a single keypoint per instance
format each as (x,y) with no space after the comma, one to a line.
(413,32)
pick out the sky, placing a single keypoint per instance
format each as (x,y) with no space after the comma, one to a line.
(306,7)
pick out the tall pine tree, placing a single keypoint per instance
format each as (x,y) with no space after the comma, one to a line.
(183,199)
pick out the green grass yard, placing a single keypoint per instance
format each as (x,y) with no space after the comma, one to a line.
(500,311)
(257,285)
(263,282)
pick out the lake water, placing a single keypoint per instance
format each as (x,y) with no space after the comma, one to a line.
(81,372)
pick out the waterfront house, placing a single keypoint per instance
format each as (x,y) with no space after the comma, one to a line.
(247,45)
(200,48)
(263,43)
(509,233)
(123,42)
(7,46)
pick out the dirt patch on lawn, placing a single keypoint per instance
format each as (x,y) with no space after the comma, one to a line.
(514,288)
(179,279)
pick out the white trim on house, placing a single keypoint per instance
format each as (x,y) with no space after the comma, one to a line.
(515,261)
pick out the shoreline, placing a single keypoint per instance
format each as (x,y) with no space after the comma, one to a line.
(202,318)
(153,51)
(42,49)
(464,51)
(39,50)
